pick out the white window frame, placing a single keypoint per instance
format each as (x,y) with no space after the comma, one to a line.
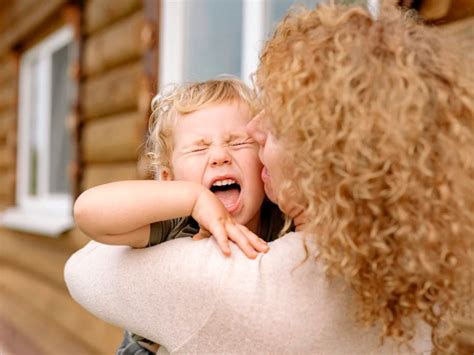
(45,213)
(173,37)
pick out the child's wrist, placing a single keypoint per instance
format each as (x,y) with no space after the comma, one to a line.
(201,193)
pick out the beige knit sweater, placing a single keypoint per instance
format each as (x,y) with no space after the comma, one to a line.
(186,296)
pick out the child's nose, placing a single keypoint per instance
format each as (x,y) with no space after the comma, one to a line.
(254,130)
(220,156)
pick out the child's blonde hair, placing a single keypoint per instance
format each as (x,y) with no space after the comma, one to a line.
(176,100)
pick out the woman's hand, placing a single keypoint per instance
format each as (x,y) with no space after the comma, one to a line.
(215,220)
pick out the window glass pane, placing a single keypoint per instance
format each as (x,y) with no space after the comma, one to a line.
(33,130)
(278,9)
(60,141)
(213,38)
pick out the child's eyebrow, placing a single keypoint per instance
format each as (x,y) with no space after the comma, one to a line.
(198,142)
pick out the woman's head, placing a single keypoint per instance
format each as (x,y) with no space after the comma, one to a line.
(373,124)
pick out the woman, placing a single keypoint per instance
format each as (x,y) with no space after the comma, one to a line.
(367,140)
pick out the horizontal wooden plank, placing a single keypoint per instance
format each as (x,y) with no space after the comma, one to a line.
(8,70)
(7,122)
(113,92)
(7,184)
(112,139)
(55,304)
(7,156)
(8,93)
(46,334)
(99,13)
(37,254)
(68,243)
(117,44)
(12,9)
(6,202)
(14,341)
(98,174)
(28,22)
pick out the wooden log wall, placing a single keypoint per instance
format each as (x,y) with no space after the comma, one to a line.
(35,303)
(37,315)
(115,90)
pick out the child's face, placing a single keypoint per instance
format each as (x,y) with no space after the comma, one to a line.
(211,147)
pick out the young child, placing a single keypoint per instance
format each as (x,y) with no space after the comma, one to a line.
(197,139)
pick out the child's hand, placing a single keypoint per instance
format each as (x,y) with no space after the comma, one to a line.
(214,220)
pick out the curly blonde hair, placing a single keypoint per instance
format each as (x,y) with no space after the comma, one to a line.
(378,115)
(179,100)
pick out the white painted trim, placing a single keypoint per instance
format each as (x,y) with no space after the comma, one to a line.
(40,223)
(374,7)
(44,203)
(253,36)
(172,40)
(23,129)
(42,127)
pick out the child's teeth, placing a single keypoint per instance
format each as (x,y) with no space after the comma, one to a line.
(224,182)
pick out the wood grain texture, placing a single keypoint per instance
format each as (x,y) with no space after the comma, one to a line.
(98,174)
(112,139)
(115,45)
(100,13)
(53,304)
(113,92)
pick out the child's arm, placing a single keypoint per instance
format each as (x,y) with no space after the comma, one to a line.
(121,213)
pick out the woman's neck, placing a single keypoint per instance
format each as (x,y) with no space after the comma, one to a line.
(299,220)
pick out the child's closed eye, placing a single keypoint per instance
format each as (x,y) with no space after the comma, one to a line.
(243,143)
(197,149)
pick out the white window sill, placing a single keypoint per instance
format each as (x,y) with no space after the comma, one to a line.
(45,223)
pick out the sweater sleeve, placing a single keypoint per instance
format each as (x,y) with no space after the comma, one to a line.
(109,281)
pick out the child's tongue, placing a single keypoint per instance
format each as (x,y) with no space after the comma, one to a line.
(228,197)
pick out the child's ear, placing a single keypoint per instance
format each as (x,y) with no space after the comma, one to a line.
(165,174)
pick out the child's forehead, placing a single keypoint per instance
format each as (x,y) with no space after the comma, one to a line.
(228,117)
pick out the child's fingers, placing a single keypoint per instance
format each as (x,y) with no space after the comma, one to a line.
(220,235)
(239,238)
(202,234)
(257,243)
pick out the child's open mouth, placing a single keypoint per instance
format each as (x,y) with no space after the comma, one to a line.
(228,192)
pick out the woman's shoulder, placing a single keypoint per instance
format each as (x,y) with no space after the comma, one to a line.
(293,238)
(293,247)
